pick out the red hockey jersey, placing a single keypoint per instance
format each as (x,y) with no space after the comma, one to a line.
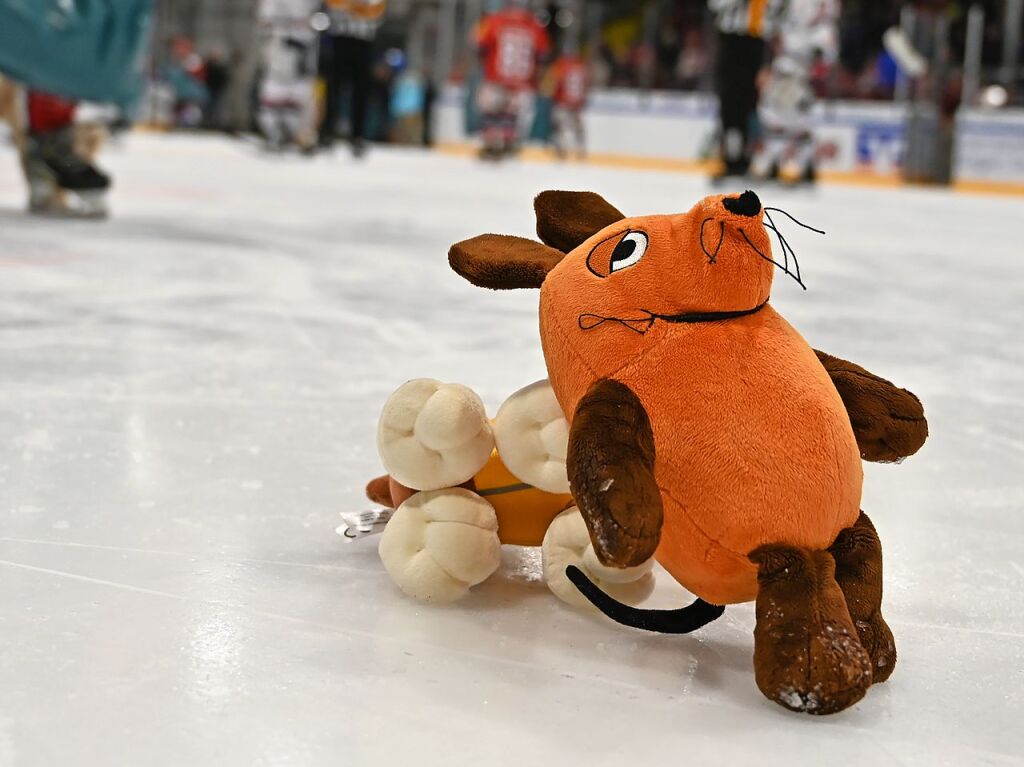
(570,77)
(511,42)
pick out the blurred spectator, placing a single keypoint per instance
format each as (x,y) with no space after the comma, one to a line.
(408,107)
(666,55)
(692,62)
(383,74)
(186,74)
(218,76)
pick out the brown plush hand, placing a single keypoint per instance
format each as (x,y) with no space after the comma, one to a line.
(888,422)
(611,470)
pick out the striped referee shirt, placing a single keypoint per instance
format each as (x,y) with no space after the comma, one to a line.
(756,18)
(355,18)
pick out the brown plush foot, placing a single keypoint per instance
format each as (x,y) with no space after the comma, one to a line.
(378,490)
(806,653)
(858,556)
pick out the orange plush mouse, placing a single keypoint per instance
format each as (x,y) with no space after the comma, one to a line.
(706,431)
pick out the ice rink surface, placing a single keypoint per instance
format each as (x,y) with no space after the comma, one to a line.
(188,399)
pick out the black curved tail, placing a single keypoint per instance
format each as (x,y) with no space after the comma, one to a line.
(682,621)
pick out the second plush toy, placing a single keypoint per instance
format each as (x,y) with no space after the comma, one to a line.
(463,485)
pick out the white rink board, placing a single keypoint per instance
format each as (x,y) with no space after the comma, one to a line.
(189,395)
(990,146)
(853,137)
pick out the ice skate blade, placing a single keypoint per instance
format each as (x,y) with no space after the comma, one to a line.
(69,215)
(80,207)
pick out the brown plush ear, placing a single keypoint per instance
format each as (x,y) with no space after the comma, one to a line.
(503,262)
(566,219)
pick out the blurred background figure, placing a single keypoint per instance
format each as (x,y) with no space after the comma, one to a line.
(408,105)
(186,75)
(287,92)
(387,67)
(568,83)
(218,80)
(692,62)
(54,55)
(511,44)
(806,46)
(347,59)
(743,26)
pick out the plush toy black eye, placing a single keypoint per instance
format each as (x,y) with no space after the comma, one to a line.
(630,249)
(618,252)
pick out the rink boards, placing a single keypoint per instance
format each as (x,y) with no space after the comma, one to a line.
(989,153)
(858,141)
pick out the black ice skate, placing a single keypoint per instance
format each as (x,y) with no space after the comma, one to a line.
(61,183)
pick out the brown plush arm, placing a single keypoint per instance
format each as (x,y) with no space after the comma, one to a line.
(611,470)
(888,422)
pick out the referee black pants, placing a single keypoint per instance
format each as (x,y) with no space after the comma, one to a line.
(739,60)
(350,62)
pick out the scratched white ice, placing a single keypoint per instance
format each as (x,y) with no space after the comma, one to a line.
(188,399)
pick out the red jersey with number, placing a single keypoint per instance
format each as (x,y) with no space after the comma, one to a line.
(570,74)
(511,42)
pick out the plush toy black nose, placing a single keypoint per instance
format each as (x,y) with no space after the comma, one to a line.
(746,204)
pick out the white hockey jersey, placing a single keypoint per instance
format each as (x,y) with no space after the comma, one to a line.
(810,28)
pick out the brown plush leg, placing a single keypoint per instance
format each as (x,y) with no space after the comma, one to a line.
(611,471)
(858,555)
(806,653)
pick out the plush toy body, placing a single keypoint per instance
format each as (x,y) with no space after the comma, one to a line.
(705,430)
(523,513)
(778,462)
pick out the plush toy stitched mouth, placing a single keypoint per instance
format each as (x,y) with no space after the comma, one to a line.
(590,321)
(712,257)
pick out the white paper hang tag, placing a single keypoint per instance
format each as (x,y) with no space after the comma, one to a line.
(359,524)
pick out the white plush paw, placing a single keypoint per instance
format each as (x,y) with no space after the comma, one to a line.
(439,543)
(533,436)
(433,435)
(567,542)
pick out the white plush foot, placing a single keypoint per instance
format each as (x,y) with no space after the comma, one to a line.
(433,435)
(533,436)
(567,542)
(439,543)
